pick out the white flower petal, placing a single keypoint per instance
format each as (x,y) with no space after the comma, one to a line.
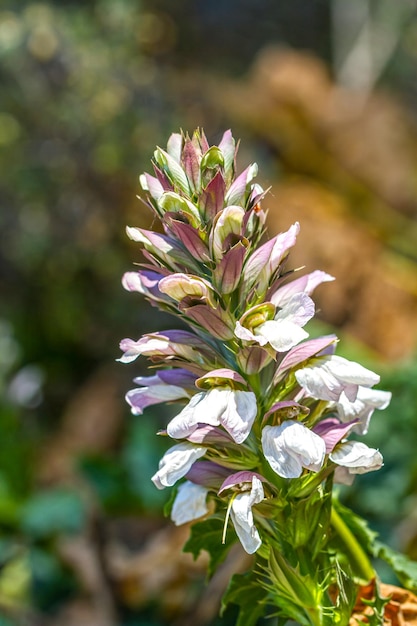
(290,447)
(333,375)
(189,503)
(281,335)
(234,410)
(239,414)
(131,349)
(132,281)
(351,372)
(342,476)
(357,457)
(367,400)
(242,516)
(319,383)
(248,335)
(213,405)
(299,309)
(183,424)
(175,463)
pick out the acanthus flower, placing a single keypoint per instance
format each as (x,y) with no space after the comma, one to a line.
(249,493)
(176,462)
(235,410)
(330,376)
(196,299)
(285,330)
(292,447)
(165,386)
(256,392)
(164,248)
(169,344)
(189,504)
(362,408)
(356,457)
(180,286)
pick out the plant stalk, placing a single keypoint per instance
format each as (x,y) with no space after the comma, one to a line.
(356,552)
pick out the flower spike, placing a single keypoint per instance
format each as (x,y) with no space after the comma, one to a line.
(267,413)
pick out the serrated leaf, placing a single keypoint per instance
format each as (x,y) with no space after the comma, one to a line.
(404,568)
(346,597)
(377,605)
(245,591)
(207,535)
(300,590)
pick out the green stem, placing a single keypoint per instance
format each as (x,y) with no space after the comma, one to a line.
(355,550)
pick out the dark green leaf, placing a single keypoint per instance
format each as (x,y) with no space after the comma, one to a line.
(245,591)
(207,536)
(298,596)
(404,568)
(377,604)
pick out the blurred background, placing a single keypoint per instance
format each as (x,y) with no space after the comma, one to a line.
(323,96)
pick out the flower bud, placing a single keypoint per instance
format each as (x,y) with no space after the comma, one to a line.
(173,170)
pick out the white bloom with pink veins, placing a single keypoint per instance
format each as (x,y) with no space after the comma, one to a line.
(330,376)
(234,410)
(175,463)
(362,408)
(357,457)
(242,516)
(290,447)
(285,330)
(189,504)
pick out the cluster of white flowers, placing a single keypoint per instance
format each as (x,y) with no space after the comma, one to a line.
(264,404)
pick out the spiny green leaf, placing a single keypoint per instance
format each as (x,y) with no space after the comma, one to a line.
(290,581)
(346,597)
(245,591)
(404,568)
(207,535)
(298,596)
(378,606)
